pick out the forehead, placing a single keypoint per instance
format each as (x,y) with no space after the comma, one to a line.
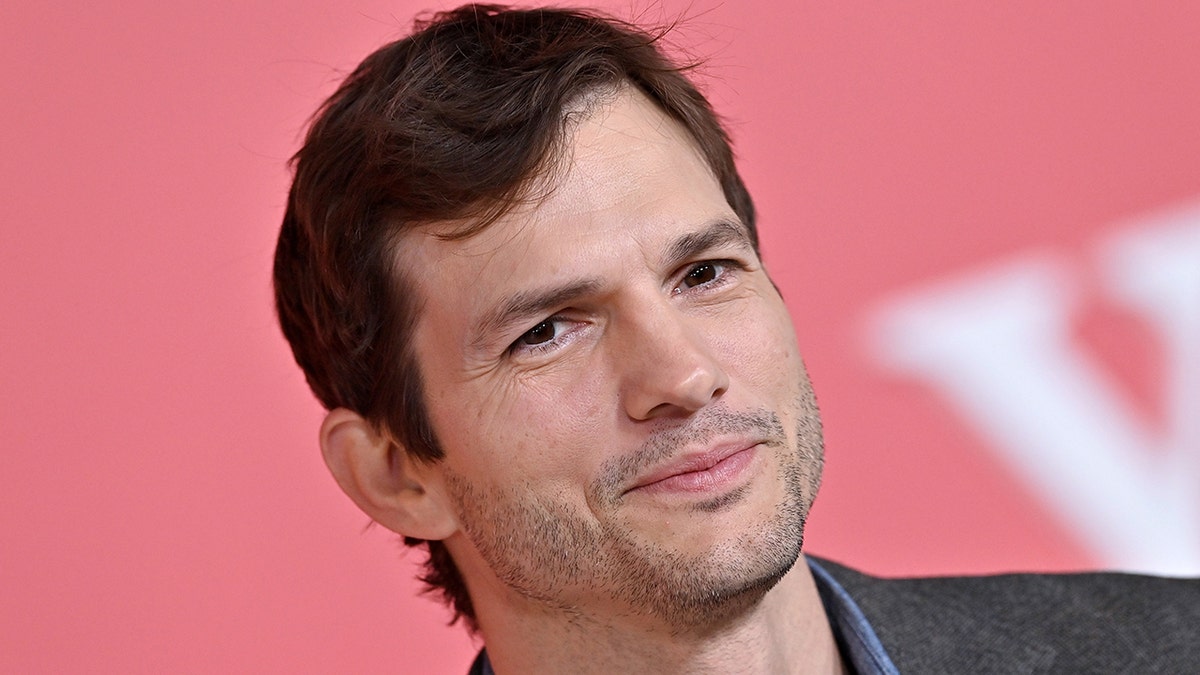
(629,181)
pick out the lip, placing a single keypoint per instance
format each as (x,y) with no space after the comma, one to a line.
(712,470)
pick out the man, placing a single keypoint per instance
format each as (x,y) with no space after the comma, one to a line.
(520,269)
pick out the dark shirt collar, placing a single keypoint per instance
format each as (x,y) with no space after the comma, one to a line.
(860,647)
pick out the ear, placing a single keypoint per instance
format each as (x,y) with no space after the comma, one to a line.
(397,491)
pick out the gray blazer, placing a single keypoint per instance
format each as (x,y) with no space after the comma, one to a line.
(1032,623)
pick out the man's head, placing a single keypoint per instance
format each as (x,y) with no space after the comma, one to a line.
(466,269)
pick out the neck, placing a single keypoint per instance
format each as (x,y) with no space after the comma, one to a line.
(783,631)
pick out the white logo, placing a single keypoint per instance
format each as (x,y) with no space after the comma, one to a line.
(997,345)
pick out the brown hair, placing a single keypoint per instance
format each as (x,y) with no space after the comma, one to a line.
(452,123)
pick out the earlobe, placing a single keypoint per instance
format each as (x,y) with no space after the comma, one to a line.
(395,490)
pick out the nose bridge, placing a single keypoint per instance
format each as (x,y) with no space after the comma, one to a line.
(668,365)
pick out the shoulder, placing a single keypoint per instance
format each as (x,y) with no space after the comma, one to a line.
(1097,622)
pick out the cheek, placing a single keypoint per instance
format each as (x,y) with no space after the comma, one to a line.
(761,351)
(540,428)
(573,407)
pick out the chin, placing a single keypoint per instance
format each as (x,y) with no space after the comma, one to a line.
(700,592)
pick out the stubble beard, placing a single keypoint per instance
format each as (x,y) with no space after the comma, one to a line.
(548,552)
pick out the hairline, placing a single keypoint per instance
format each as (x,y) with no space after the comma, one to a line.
(532,191)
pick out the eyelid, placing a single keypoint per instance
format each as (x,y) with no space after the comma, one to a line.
(729,265)
(516,347)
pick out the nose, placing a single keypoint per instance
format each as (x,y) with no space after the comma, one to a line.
(668,367)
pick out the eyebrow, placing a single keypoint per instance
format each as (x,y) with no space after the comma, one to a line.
(719,234)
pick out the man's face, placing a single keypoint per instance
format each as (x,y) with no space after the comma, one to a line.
(615,382)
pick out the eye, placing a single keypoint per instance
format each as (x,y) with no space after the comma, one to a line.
(539,334)
(700,274)
(546,336)
(703,273)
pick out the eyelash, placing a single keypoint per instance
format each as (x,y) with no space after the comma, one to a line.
(724,268)
(541,347)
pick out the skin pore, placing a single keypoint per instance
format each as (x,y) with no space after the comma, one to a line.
(631,441)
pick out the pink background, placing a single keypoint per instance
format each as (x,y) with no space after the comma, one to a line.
(163,504)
